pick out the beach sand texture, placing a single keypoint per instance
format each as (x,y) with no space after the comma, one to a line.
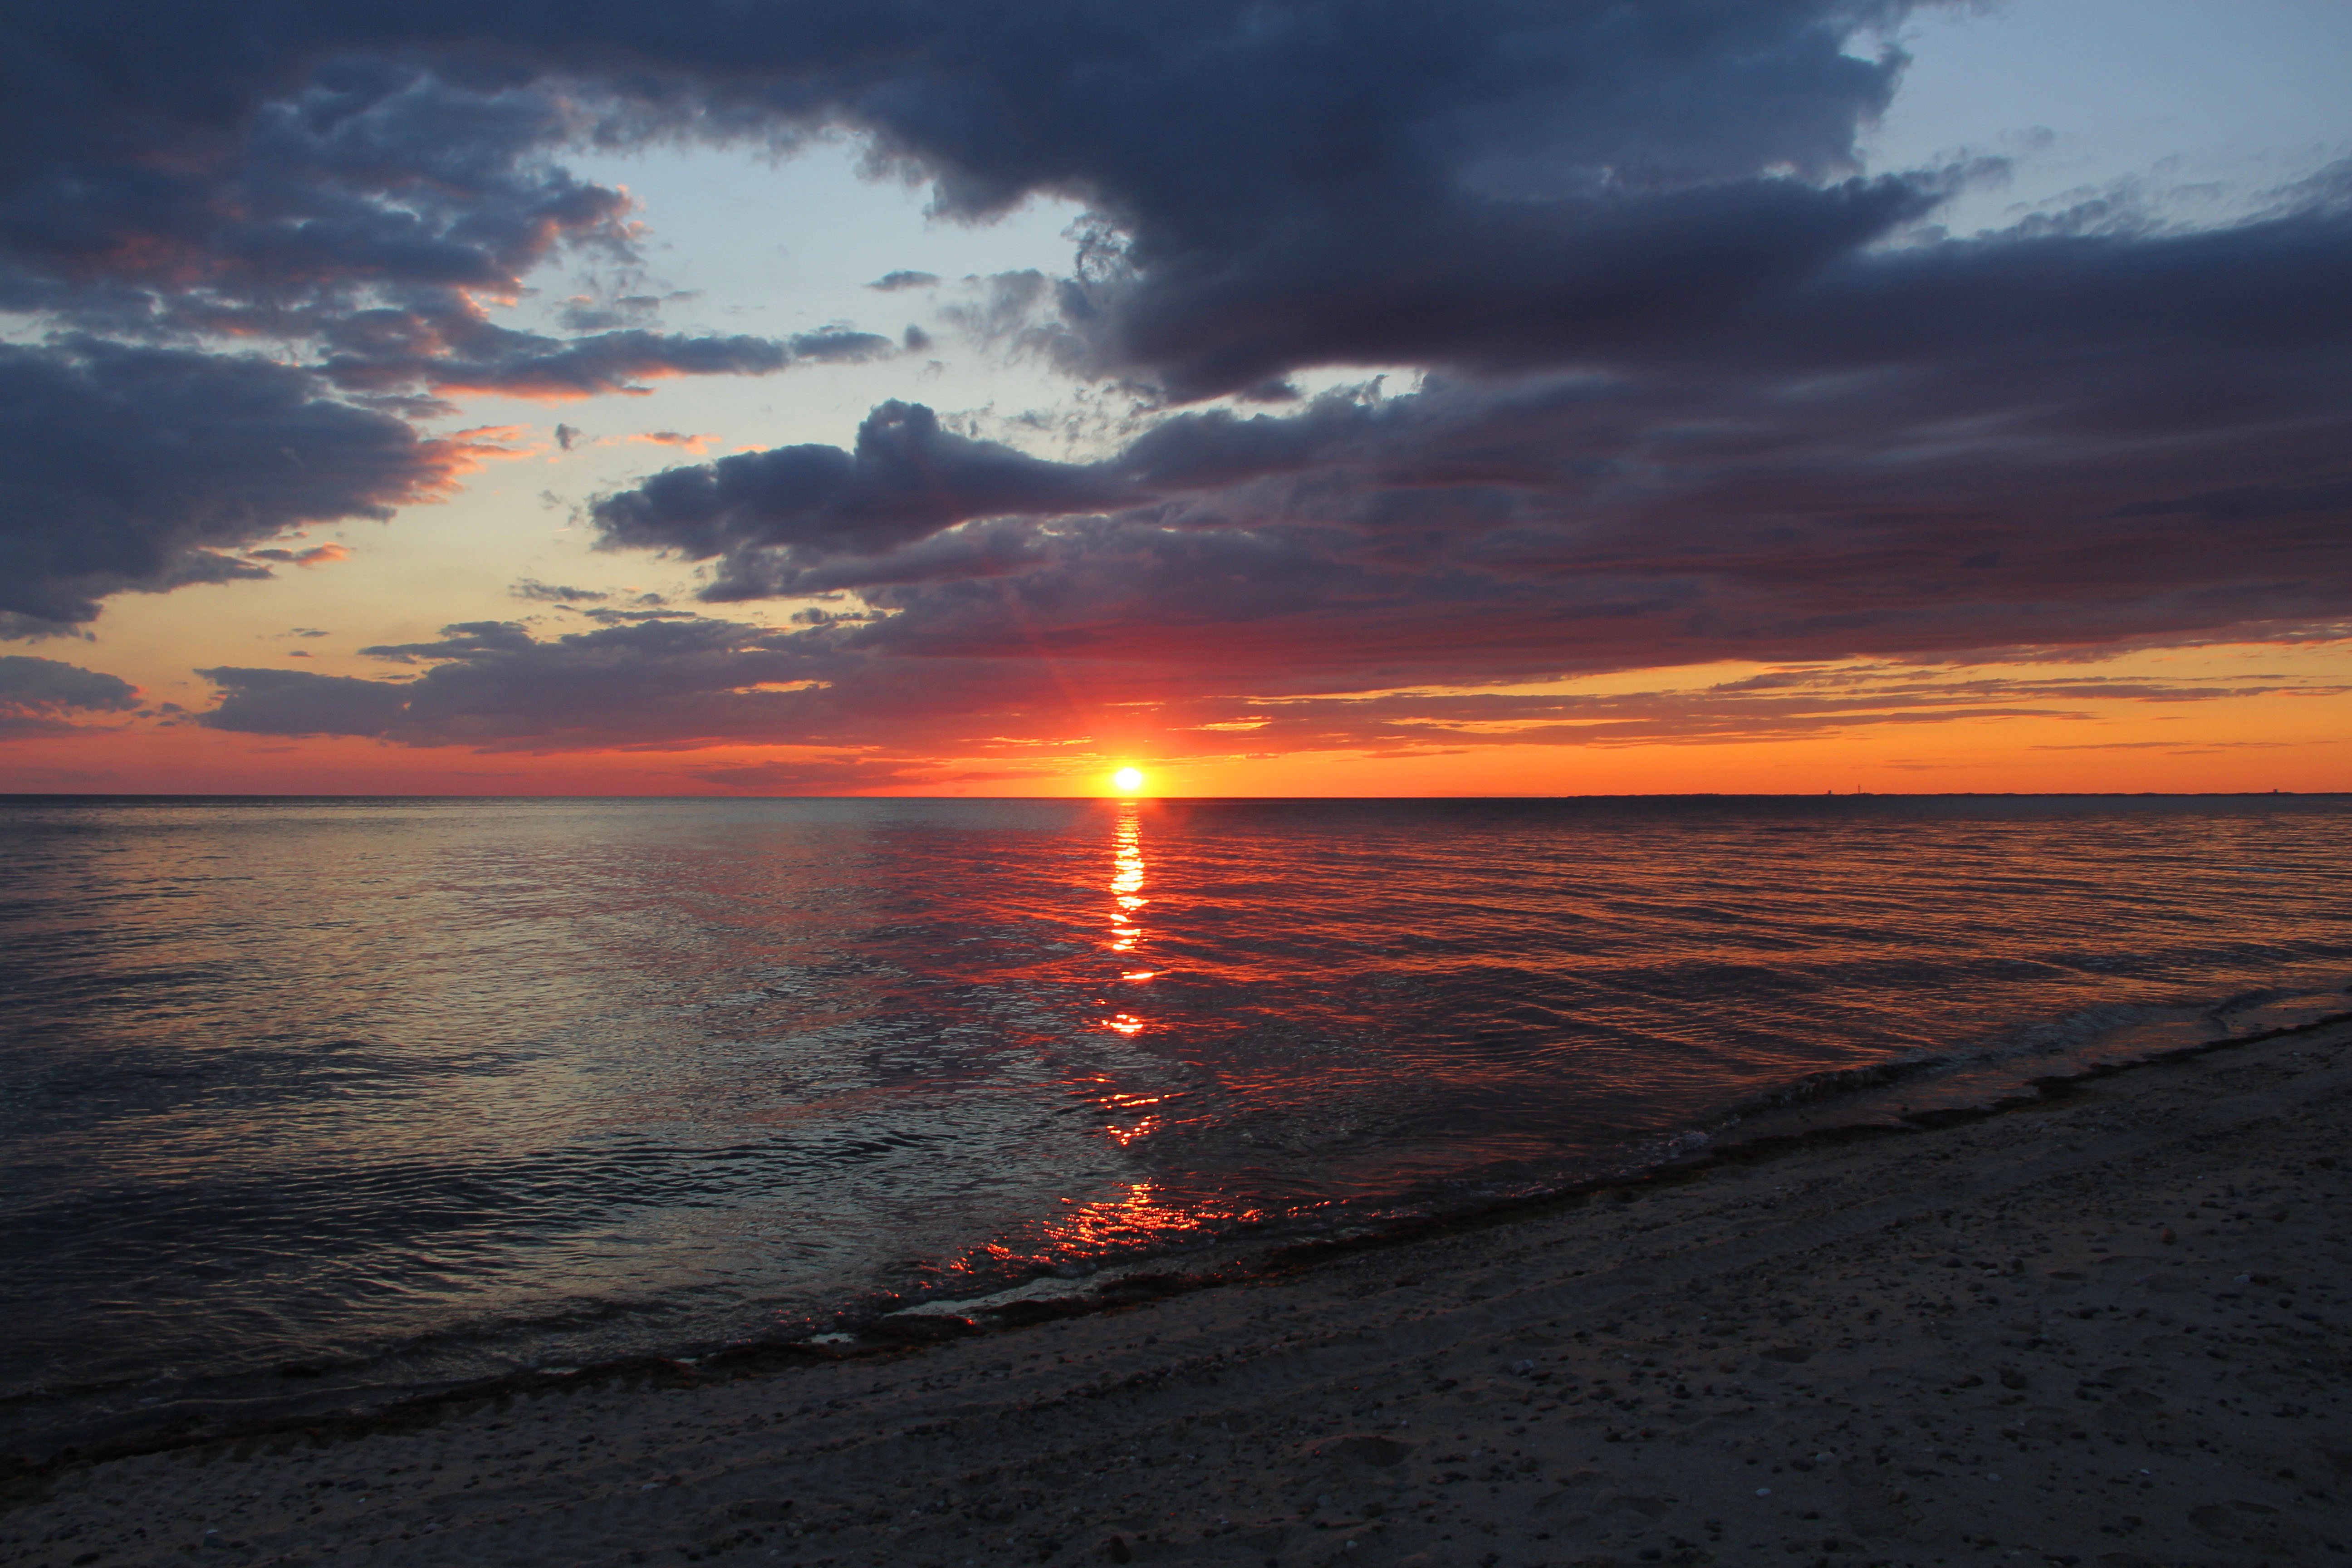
(2113,1327)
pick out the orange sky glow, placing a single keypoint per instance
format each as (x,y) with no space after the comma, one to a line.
(2233,718)
(1857,398)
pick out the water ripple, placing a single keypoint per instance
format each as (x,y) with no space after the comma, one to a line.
(440,1088)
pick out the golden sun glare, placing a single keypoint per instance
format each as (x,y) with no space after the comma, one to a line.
(1127,779)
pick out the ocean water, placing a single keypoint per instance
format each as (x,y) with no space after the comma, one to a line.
(392,1093)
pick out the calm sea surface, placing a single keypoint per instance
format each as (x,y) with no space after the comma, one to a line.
(404,1092)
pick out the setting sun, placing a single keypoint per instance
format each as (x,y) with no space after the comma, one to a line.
(1127,779)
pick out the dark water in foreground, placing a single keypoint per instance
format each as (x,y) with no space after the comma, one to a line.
(417,1090)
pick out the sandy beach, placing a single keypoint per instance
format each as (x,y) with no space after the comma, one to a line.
(2107,1327)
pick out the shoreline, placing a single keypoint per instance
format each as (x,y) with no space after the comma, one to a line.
(1559,1279)
(1036,1302)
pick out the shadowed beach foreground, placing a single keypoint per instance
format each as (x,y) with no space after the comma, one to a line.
(2109,1327)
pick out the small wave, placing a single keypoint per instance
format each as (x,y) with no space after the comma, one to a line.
(575,1083)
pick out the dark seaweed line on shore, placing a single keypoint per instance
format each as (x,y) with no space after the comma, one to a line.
(904,1332)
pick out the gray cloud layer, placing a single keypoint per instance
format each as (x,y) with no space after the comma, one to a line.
(38,696)
(134,468)
(864,717)
(170,192)
(1704,386)
(491,684)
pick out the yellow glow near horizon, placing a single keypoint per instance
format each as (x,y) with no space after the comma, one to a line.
(2230,717)
(1128,779)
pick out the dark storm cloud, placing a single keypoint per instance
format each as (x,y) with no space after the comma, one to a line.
(1485,287)
(2062,443)
(136,468)
(1704,386)
(1501,184)
(1312,182)
(37,694)
(770,518)
(906,478)
(153,162)
(670,681)
(168,190)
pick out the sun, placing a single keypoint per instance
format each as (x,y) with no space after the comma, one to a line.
(1128,779)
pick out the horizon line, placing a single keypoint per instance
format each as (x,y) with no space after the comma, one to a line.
(1650,795)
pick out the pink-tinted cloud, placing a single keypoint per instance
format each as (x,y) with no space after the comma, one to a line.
(856,715)
(1700,388)
(698,444)
(47,697)
(316,555)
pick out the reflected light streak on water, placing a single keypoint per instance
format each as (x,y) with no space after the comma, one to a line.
(410,1090)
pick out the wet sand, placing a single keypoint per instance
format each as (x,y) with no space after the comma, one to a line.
(2112,1327)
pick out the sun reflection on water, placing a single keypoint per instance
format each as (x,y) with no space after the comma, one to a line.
(1127,931)
(742,1063)
(1126,884)
(1123,1136)
(1138,1212)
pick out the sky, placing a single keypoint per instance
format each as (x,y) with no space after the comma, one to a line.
(1277,398)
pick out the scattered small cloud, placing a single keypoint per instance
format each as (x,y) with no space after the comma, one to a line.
(317,555)
(698,444)
(537,592)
